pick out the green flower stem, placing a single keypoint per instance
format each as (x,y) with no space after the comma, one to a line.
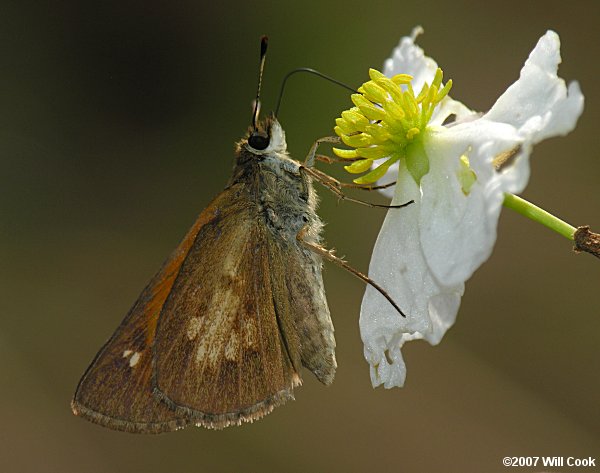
(539,215)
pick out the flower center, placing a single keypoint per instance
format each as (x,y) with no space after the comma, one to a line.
(386,121)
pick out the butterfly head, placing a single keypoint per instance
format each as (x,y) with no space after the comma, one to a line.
(267,137)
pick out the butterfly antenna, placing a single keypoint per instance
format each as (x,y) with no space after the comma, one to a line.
(309,71)
(264,42)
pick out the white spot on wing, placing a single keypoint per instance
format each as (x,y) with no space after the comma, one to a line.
(134,359)
(215,340)
(250,333)
(223,312)
(231,349)
(194,327)
(230,264)
(200,353)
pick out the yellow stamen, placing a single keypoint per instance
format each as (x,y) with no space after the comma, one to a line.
(386,120)
(345,153)
(359,166)
(357,141)
(410,134)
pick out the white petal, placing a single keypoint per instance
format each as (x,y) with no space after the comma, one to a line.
(399,266)
(515,177)
(458,231)
(408,58)
(390,176)
(538,104)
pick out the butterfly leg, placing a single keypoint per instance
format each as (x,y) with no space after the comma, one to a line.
(335,186)
(312,156)
(332,184)
(365,187)
(309,162)
(329,255)
(334,159)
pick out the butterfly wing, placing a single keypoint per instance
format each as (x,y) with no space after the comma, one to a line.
(300,297)
(222,353)
(116,389)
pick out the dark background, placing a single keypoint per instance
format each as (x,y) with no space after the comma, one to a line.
(117,123)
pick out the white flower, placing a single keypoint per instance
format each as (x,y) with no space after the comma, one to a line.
(426,251)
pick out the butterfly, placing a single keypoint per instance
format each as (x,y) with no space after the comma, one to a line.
(220,334)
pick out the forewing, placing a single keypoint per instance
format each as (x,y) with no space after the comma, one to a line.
(220,354)
(116,389)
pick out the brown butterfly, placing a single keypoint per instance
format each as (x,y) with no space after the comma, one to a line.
(219,335)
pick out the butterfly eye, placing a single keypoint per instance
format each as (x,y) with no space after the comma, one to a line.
(258,142)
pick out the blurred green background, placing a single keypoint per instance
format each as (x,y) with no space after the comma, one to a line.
(117,123)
